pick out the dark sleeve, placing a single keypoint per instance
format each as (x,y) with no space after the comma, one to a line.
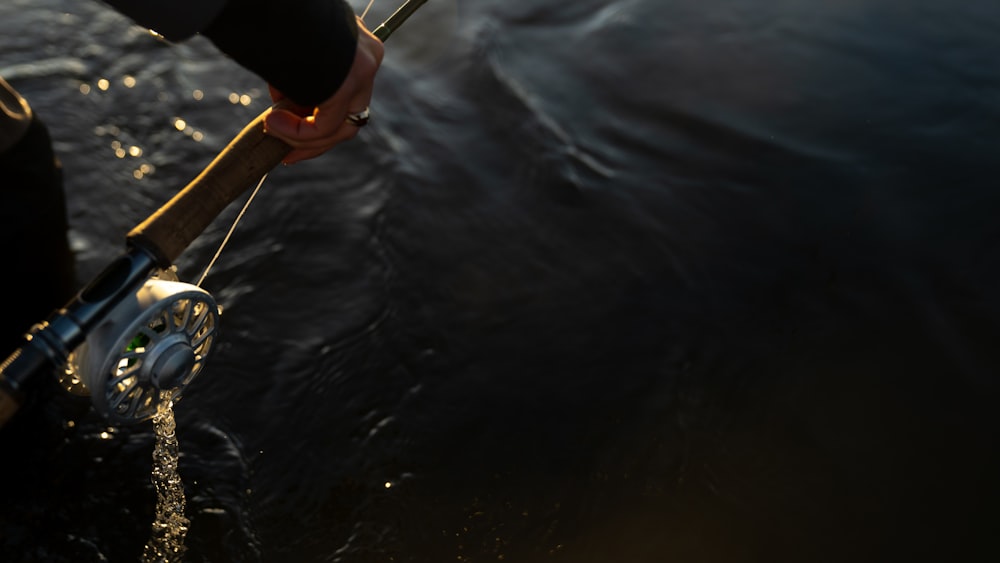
(304,48)
(174,19)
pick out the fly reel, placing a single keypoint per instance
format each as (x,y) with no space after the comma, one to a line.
(154,341)
(129,350)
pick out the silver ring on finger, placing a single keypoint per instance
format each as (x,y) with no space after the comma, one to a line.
(359,119)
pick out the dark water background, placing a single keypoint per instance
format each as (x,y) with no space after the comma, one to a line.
(603,281)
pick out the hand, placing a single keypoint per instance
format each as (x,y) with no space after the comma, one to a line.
(313,131)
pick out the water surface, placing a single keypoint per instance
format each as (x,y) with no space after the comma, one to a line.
(629,280)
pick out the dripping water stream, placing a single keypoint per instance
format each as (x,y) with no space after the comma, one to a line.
(166,542)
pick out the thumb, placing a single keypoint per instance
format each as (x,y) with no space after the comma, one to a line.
(282,122)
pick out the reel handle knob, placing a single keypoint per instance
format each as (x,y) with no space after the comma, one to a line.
(171,229)
(13,374)
(9,405)
(17,372)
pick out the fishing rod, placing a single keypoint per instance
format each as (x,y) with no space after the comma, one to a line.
(136,331)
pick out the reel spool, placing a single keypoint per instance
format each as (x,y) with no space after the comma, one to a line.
(153,341)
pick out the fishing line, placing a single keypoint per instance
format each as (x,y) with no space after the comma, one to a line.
(231,229)
(368,7)
(382,32)
(134,332)
(253,194)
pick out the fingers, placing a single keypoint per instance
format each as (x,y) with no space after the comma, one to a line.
(313,133)
(308,136)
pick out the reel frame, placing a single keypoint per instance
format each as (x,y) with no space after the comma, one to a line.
(155,341)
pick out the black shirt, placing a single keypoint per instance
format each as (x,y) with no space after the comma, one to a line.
(304,48)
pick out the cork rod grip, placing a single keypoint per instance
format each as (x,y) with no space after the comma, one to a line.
(171,229)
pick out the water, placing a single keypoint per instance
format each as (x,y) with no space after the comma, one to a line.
(638,280)
(166,544)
